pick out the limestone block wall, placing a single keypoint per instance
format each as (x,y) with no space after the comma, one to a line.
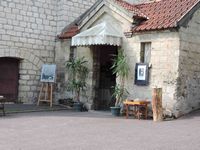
(88,96)
(164,60)
(69,10)
(28,30)
(61,56)
(163,73)
(164,65)
(89,52)
(188,90)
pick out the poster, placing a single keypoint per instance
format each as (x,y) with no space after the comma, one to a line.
(48,73)
(141,74)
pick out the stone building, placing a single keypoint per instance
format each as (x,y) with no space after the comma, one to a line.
(28,30)
(166,31)
(163,33)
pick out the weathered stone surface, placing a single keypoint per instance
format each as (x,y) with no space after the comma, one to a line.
(188,85)
(29,29)
(175,63)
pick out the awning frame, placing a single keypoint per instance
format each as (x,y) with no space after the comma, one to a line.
(101,34)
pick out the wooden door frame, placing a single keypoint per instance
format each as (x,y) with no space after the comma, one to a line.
(15,61)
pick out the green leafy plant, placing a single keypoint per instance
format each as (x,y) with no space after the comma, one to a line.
(120,67)
(78,73)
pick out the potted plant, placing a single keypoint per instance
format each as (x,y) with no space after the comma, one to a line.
(78,73)
(121,69)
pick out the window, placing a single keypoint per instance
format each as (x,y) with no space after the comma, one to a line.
(145,53)
(72,53)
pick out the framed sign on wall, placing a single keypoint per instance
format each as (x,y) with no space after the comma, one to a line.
(141,74)
(48,73)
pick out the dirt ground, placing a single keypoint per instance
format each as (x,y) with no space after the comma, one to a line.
(65,130)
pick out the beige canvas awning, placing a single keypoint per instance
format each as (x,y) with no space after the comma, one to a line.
(100,34)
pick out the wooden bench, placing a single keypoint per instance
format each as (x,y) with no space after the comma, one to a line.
(4,100)
(2,107)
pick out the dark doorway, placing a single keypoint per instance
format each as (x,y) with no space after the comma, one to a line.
(9,77)
(105,79)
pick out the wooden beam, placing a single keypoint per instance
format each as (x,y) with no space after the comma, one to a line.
(157,104)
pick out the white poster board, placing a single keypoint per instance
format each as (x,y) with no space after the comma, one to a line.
(48,73)
(141,74)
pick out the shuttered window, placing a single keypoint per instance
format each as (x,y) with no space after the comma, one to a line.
(145,53)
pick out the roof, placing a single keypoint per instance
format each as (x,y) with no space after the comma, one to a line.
(164,14)
(70,32)
(131,7)
(158,15)
(72,29)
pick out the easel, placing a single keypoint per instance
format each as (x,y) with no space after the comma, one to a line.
(46,92)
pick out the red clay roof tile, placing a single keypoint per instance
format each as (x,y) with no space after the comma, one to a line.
(158,15)
(69,32)
(131,7)
(163,14)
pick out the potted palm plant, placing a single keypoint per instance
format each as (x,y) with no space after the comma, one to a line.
(121,69)
(78,72)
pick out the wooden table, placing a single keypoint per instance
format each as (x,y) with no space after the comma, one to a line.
(137,105)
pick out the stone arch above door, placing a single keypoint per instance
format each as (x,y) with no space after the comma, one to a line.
(21,54)
(29,72)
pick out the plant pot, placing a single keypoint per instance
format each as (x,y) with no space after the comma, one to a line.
(78,106)
(115,111)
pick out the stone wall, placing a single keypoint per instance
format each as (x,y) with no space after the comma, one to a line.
(163,71)
(69,10)
(174,63)
(188,88)
(104,14)
(164,59)
(28,31)
(164,65)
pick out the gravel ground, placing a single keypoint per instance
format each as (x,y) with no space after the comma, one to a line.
(64,130)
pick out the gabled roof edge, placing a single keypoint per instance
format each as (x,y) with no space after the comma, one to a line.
(79,19)
(79,22)
(108,3)
(187,16)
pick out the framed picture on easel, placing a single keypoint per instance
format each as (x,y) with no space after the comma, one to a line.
(141,74)
(48,73)
(48,78)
